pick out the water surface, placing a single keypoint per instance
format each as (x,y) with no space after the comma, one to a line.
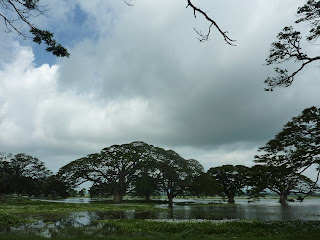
(50,224)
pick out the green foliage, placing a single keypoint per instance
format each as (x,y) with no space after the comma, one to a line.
(146,186)
(205,185)
(8,220)
(293,150)
(17,16)
(101,190)
(297,145)
(55,188)
(28,206)
(22,174)
(240,228)
(82,192)
(304,236)
(280,180)
(120,169)
(310,13)
(232,178)
(47,38)
(175,173)
(284,49)
(115,167)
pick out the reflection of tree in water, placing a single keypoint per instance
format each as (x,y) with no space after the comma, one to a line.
(83,224)
(208,212)
(48,225)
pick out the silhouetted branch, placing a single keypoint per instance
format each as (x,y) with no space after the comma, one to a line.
(128,2)
(20,11)
(288,46)
(205,37)
(311,189)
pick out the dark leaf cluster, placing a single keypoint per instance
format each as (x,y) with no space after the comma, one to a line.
(135,168)
(289,46)
(293,150)
(17,17)
(26,175)
(47,38)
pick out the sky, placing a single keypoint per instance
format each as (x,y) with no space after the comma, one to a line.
(139,73)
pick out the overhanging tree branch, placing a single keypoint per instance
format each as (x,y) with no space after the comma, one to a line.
(312,188)
(25,9)
(205,37)
(288,47)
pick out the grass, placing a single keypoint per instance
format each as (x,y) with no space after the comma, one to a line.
(8,220)
(155,230)
(280,237)
(239,228)
(126,229)
(28,206)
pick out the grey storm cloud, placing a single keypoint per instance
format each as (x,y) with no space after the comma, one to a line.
(144,76)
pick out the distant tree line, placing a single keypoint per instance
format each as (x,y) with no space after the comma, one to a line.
(25,175)
(144,170)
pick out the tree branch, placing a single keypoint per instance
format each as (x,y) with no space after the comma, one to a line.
(205,37)
(23,10)
(288,47)
(283,79)
(312,188)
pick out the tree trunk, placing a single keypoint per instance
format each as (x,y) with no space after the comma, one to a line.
(2,196)
(148,197)
(118,197)
(283,198)
(231,199)
(170,199)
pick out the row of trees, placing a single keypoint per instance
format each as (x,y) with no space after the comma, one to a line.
(171,174)
(145,170)
(135,167)
(24,174)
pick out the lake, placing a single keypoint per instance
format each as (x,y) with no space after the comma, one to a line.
(265,209)
(48,224)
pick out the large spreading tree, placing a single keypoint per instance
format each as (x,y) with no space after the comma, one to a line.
(205,185)
(22,174)
(280,180)
(175,174)
(296,147)
(114,169)
(232,178)
(135,167)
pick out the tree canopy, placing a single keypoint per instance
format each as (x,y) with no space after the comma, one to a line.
(205,185)
(289,46)
(24,174)
(280,180)
(117,170)
(175,173)
(296,147)
(232,178)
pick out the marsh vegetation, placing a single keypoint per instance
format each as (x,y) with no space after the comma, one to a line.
(188,219)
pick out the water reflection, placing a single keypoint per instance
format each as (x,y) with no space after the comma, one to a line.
(49,224)
(265,209)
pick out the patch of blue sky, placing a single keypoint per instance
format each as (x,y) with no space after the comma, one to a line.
(76,28)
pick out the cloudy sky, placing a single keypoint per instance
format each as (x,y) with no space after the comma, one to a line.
(140,73)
